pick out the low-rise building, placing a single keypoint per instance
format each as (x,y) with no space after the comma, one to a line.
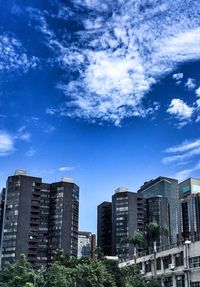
(178,266)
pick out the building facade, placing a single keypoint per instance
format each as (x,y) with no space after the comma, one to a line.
(38,219)
(104,228)
(157,210)
(128,216)
(189,209)
(168,189)
(176,267)
(86,244)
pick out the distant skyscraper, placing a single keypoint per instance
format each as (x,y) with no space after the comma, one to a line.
(168,189)
(104,227)
(128,216)
(86,244)
(39,218)
(189,209)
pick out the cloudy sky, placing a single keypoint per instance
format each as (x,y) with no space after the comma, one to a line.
(106,92)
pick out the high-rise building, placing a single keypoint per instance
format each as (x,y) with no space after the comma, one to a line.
(39,218)
(168,189)
(86,244)
(189,210)
(157,210)
(128,216)
(104,227)
(63,217)
(2,202)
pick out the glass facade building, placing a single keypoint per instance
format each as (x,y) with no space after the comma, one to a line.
(168,189)
(189,209)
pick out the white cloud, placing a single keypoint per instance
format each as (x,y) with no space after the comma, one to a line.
(178,76)
(190,84)
(184,174)
(198,103)
(6,144)
(22,134)
(13,56)
(180,109)
(198,92)
(184,151)
(181,157)
(120,55)
(31,152)
(185,146)
(66,168)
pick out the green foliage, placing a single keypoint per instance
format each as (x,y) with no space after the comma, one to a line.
(113,268)
(152,283)
(67,271)
(59,276)
(129,273)
(93,275)
(99,252)
(154,231)
(65,259)
(20,274)
(137,238)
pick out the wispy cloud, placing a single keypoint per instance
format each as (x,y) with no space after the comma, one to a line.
(66,168)
(6,144)
(22,134)
(190,84)
(117,57)
(184,174)
(13,56)
(178,78)
(31,152)
(184,151)
(181,157)
(185,146)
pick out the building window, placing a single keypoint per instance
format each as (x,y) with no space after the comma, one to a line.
(194,262)
(179,259)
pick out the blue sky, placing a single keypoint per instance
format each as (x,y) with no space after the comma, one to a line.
(106,92)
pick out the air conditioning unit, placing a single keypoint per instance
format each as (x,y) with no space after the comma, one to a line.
(171,266)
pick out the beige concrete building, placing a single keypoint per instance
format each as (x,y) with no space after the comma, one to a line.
(176,267)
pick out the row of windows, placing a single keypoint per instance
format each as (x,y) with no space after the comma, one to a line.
(122,198)
(195,284)
(8,237)
(122,208)
(194,262)
(8,255)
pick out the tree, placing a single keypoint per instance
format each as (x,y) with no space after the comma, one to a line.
(99,252)
(113,269)
(154,231)
(137,240)
(64,259)
(60,276)
(93,275)
(129,274)
(21,274)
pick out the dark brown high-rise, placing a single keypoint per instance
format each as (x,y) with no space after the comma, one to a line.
(39,218)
